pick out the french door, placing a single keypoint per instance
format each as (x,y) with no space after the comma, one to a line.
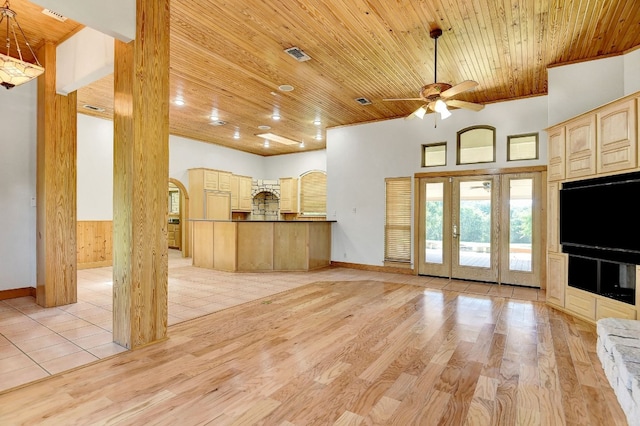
(481,227)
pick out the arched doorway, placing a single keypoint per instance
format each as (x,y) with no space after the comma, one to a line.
(185,233)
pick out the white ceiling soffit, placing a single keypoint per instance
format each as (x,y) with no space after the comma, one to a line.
(116,18)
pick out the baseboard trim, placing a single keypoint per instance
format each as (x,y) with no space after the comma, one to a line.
(374,268)
(17,292)
(91,265)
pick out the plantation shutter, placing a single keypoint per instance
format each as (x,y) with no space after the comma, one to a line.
(397,229)
(313,194)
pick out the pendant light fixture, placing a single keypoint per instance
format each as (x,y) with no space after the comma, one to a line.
(15,71)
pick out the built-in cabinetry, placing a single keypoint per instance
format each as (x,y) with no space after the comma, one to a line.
(174,236)
(260,246)
(288,195)
(241,193)
(597,143)
(214,194)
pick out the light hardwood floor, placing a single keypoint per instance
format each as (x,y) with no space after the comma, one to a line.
(354,348)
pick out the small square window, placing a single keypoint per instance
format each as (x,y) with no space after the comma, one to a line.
(434,154)
(522,147)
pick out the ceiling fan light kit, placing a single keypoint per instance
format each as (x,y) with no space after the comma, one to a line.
(437,95)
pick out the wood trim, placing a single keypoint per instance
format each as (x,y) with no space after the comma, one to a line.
(141,172)
(17,292)
(91,265)
(95,243)
(375,268)
(501,171)
(56,189)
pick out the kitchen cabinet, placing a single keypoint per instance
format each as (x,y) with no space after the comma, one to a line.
(288,195)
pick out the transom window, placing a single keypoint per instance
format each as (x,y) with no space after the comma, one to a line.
(477,145)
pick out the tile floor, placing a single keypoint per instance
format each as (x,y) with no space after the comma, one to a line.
(36,342)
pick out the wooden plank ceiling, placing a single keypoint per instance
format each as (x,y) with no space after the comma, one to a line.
(228,59)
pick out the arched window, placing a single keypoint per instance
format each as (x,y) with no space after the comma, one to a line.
(313,193)
(477,144)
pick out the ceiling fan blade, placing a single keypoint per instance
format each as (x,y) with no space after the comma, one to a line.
(459,88)
(403,99)
(463,104)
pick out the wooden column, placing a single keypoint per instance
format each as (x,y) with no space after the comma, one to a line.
(55,189)
(141,176)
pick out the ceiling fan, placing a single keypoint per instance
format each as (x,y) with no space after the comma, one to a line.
(437,96)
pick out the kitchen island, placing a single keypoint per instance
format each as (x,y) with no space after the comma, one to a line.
(261,246)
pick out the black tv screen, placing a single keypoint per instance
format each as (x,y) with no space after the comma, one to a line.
(599,218)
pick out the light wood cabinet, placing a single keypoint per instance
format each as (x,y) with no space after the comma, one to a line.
(209,194)
(581,147)
(241,193)
(553,217)
(174,236)
(556,278)
(556,154)
(216,180)
(617,147)
(218,205)
(601,142)
(255,246)
(581,303)
(606,308)
(288,195)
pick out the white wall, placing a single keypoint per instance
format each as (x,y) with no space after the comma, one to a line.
(95,164)
(95,169)
(360,157)
(577,88)
(293,165)
(187,153)
(17,185)
(632,72)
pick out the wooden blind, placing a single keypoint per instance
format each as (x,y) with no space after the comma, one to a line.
(313,193)
(397,228)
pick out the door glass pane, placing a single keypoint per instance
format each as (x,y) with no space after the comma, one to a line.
(434,223)
(520,224)
(475,224)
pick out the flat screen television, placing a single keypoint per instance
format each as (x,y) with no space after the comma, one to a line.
(600,218)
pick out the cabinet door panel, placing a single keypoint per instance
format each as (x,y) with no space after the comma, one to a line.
(556,150)
(211,180)
(553,217)
(218,205)
(617,137)
(556,278)
(581,147)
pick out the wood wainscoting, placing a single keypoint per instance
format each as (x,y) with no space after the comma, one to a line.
(95,243)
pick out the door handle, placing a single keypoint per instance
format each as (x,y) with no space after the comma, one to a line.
(455,231)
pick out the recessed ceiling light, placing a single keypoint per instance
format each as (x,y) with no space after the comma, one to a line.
(218,123)
(317,122)
(236,134)
(285,88)
(276,116)
(179,101)
(318,137)
(266,143)
(264,127)
(302,144)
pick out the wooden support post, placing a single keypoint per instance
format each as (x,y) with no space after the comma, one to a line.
(141,176)
(56,275)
